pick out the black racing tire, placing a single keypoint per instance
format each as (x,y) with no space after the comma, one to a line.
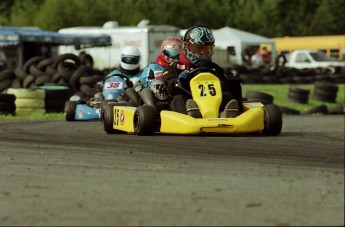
(7,98)
(66,69)
(66,57)
(144,120)
(108,118)
(28,81)
(17,83)
(20,73)
(90,79)
(70,108)
(259,96)
(81,71)
(338,109)
(36,72)
(50,70)
(295,97)
(327,86)
(87,89)
(8,107)
(320,109)
(42,65)
(41,80)
(298,90)
(31,61)
(5,84)
(289,111)
(86,59)
(273,120)
(7,75)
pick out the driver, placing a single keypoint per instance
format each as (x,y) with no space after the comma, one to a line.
(129,70)
(129,65)
(197,52)
(151,84)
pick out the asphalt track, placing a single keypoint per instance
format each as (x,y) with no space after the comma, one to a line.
(72,173)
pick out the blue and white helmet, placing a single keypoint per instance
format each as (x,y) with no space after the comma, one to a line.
(198,45)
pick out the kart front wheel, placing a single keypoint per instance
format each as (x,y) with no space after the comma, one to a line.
(70,107)
(145,120)
(108,117)
(272,120)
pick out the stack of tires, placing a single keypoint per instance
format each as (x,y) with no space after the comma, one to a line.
(7,105)
(55,98)
(6,78)
(299,95)
(325,91)
(257,96)
(60,77)
(28,101)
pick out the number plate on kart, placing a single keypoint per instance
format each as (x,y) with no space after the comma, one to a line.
(113,85)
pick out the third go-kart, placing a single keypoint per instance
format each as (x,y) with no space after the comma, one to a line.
(112,90)
(206,91)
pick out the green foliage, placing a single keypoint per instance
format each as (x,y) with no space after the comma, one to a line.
(270,18)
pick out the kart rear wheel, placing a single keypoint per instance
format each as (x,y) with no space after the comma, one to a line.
(272,120)
(108,118)
(70,107)
(145,120)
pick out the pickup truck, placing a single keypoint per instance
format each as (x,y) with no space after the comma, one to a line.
(309,59)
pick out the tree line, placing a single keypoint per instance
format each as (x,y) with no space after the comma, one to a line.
(270,18)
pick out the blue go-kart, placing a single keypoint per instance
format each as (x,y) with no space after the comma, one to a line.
(114,89)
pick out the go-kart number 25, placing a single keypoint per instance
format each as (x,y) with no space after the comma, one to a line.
(210,89)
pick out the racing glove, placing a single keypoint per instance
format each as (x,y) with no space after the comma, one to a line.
(182,78)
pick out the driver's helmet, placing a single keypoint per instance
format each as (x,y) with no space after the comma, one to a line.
(170,49)
(198,45)
(130,58)
(159,89)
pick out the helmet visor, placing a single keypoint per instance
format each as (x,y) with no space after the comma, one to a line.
(130,59)
(203,50)
(171,53)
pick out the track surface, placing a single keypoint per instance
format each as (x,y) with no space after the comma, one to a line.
(73,173)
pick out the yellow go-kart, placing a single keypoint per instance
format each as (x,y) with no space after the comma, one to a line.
(205,89)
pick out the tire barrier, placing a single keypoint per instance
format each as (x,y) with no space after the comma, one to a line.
(7,105)
(324,91)
(67,70)
(28,101)
(277,74)
(320,109)
(258,96)
(337,110)
(289,111)
(55,98)
(299,95)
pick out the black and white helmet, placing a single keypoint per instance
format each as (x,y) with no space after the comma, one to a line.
(130,58)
